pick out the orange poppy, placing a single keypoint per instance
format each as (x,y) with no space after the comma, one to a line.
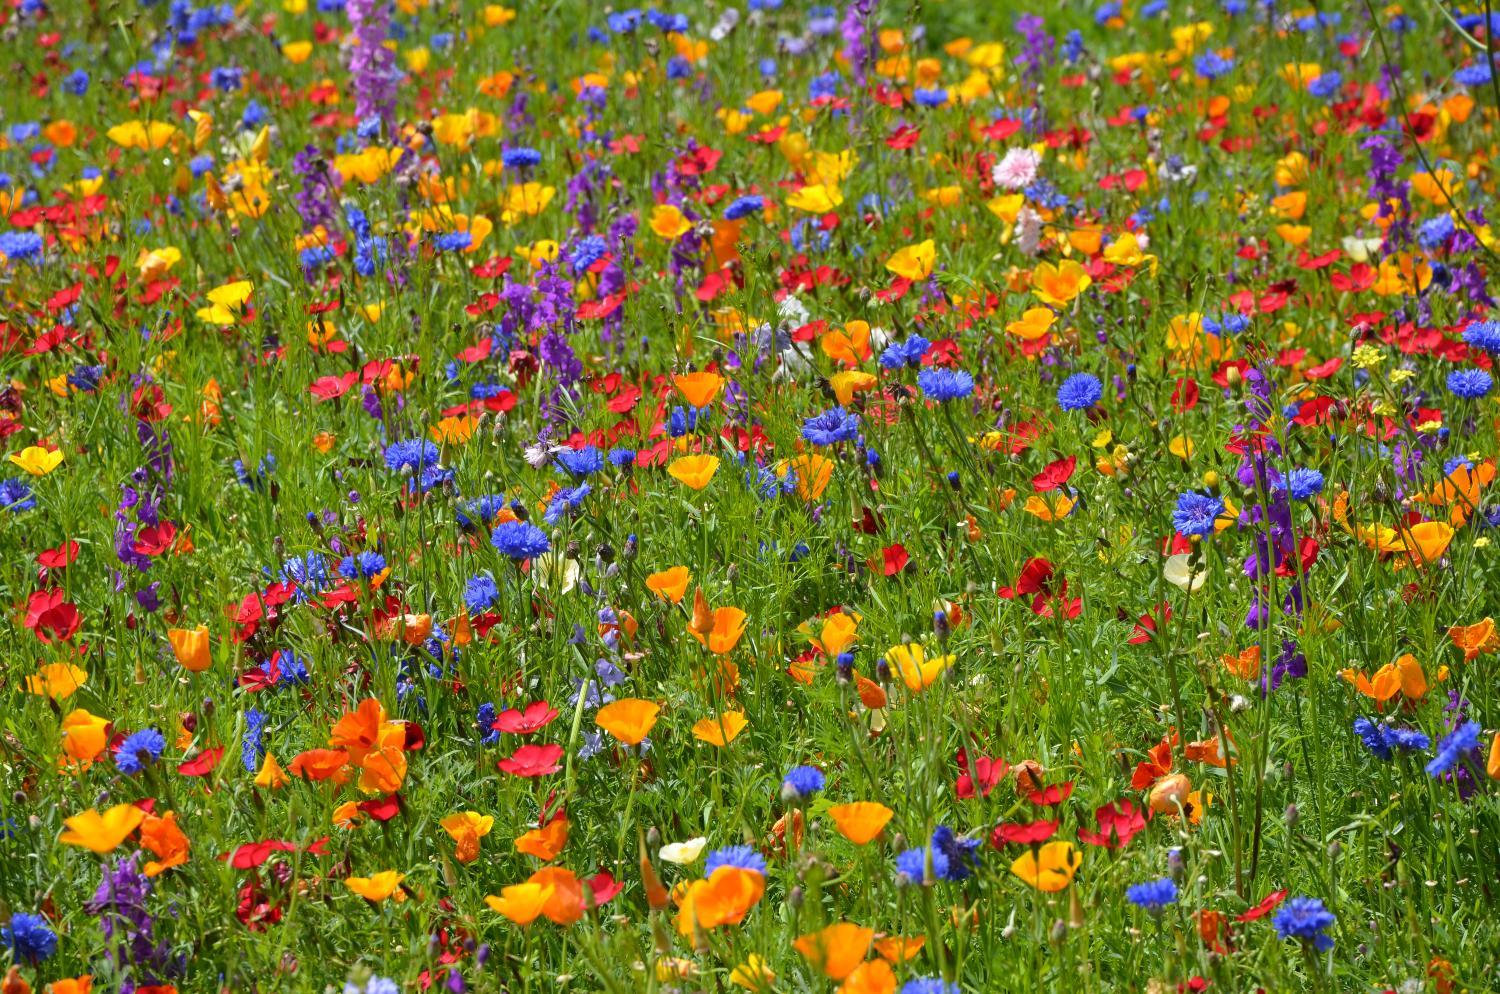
(1245,665)
(84,738)
(565,906)
(271,775)
(837,949)
(629,720)
(321,764)
(1475,640)
(670,584)
(861,821)
(726,625)
(466,828)
(725,898)
(720,731)
(874,977)
(165,839)
(694,472)
(190,645)
(700,388)
(545,843)
(521,903)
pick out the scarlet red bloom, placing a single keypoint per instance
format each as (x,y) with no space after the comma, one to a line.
(1265,907)
(1023,833)
(537,715)
(533,761)
(51,617)
(1119,822)
(986,771)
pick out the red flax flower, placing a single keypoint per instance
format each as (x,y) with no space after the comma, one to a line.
(533,761)
(1265,907)
(536,716)
(51,617)
(1119,822)
(983,770)
(1023,833)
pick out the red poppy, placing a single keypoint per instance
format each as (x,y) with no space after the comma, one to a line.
(51,617)
(383,809)
(533,761)
(1146,628)
(59,557)
(894,559)
(1054,475)
(1265,907)
(1052,795)
(1118,822)
(201,764)
(538,715)
(604,887)
(1023,833)
(985,771)
(1158,763)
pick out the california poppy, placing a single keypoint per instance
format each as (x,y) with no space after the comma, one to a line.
(670,584)
(190,645)
(102,833)
(629,720)
(860,821)
(694,472)
(378,888)
(720,731)
(836,949)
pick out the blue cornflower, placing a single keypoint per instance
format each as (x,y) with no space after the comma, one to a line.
(929,985)
(1326,85)
(1212,65)
(15,496)
(253,745)
(907,353)
(1433,233)
(480,593)
(361,566)
(743,857)
(1305,918)
(1470,384)
(1453,747)
(1483,335)
(520,158)
(911,866)
(76,82)
(140,749)
(957,850)
(1304,483)
(1477,74)
(1079,392)
(1196,513)
(519,540)
(453,241)
(832,426)
(485,719)
(479,511)
(744,207)
(943,385)
(581,462)
(564,501)
(589,250)
(410,454)
(1153,895)
(802,782)
(934,97)
(29,937)
(21,245)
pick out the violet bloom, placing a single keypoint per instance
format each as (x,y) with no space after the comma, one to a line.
(371,64)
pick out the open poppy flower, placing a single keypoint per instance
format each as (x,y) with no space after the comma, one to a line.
(1050,868)
(533,760)
(629,720)
(860,821)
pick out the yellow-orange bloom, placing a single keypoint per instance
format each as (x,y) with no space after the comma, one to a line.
(101,833)
(861,821)
(1050,868)
(629,720)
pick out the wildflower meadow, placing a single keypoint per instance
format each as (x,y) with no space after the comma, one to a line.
(895,497)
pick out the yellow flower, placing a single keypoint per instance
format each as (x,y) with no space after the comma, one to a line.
(57,680)
(379,887)
(911,664)
(694,472)
(1049,869)
(101,833)
(525,200)
(914,262)
(668,222)
(816,199)
(36,460)
(296,52)
(145,135)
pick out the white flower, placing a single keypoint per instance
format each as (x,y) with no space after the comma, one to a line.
(538,455)
(683,853)
(1029,231)
(1179,572)
(554,572)
(1017,170)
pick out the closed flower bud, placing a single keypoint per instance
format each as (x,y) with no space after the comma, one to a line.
(1170,793)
